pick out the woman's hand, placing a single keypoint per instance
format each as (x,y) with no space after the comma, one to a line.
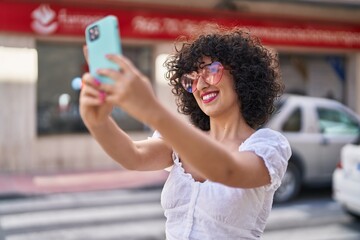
(93,109)
(132,91)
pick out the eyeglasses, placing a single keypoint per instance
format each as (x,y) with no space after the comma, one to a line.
(211,74)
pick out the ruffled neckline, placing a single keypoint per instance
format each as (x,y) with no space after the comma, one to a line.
(179,164)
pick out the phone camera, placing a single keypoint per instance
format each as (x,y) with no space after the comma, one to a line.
(94,33)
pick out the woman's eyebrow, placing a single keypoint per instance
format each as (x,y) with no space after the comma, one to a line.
(204,64)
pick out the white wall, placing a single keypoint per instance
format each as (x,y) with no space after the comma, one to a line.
(18,71)
(162,88)
(312,75)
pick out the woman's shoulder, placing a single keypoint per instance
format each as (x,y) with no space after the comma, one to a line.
(267,136)
(266,133)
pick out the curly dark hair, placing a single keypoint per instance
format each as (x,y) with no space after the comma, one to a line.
(254,69)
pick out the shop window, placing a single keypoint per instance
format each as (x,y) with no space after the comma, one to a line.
(334,121)
(61,66)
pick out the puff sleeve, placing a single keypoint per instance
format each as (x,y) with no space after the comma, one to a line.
(274,149)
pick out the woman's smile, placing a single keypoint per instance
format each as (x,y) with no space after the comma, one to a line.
(209,96)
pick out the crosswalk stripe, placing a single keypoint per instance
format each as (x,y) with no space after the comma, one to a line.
(325,232)
(290,217)
(137,215)
(75,216)
(153,229)
(60,201)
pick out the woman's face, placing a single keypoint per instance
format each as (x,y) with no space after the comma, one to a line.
(217,100)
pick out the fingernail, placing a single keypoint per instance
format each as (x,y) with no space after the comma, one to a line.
(97,82)
(102,96)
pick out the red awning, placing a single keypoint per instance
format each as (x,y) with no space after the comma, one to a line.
(65,20)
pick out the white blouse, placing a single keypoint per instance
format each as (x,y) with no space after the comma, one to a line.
(209,210)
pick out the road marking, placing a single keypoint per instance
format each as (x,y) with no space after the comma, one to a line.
(70,200)
(325,232)
(152,229)
(76,216)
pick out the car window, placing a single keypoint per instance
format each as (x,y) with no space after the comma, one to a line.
(293,123)
(335,121)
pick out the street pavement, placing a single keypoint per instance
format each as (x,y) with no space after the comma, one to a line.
(136,214)
(129,214)
(101,205)
(315,219)
(121,204)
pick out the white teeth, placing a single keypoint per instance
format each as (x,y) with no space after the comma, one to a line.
(208,96)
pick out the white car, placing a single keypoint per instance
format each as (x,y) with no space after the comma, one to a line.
(317,129)
(346,180)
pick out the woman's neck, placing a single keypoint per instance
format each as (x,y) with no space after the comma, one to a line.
(235,129)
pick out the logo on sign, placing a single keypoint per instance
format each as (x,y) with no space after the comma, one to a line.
(44,20)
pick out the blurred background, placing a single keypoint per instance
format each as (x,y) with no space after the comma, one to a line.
(41,64)
(318,43)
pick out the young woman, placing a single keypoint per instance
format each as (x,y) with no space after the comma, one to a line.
(224,167)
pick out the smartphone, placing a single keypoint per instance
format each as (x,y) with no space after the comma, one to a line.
(103,37)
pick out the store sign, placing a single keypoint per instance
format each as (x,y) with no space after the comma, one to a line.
(47,21)
(44,20)
(57,20)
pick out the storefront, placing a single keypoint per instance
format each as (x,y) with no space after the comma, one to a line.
(42,63)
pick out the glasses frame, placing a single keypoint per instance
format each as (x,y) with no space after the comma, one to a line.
(189,81)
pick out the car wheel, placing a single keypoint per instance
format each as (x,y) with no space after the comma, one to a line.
(290,185)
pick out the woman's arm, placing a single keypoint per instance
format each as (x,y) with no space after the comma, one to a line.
(133,93)
(152,154)
(210,158)
(145,155)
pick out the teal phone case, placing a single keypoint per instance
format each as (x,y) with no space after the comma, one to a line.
(103,37)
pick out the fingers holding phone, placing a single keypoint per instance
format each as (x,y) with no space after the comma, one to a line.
(120,81)
(102,37)
(93,108)
(131,90)
(90,90)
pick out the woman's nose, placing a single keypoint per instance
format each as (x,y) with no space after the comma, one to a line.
(201,83)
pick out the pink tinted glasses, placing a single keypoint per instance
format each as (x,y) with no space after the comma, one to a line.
(211,74)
